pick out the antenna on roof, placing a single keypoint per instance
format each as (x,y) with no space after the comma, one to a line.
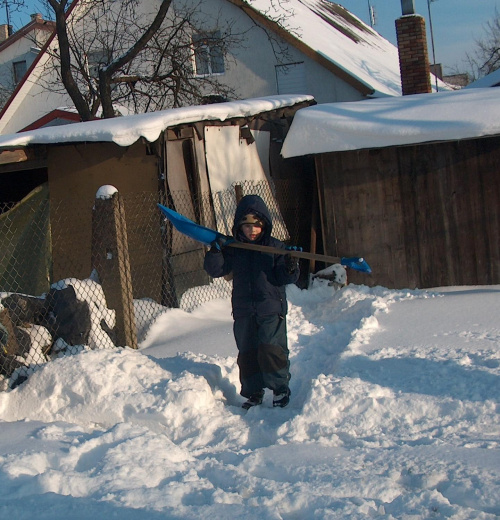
(432,42)
(7,15)
(371,14)
(373,18)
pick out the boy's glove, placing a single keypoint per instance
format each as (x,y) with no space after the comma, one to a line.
(291,262)
(220,243)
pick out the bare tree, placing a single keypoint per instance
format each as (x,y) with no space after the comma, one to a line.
(486,56)
(113,53)
(5,94)
(137,56)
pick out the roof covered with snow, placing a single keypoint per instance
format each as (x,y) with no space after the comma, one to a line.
(491,80)
(340,37)
(377,123)
(126,130)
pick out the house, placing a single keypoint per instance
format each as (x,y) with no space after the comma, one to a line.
(329,54)
(411,183)
(19,50)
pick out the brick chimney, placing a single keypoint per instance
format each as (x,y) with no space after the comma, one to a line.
(413,55)
(5,32)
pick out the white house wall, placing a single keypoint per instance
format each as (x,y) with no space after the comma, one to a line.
(32,102)
(23,49)
(251,68)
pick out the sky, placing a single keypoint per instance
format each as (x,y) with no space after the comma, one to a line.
(456,24)
(393,415)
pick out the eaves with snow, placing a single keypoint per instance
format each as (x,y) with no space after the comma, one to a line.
(394,121)
(126,130)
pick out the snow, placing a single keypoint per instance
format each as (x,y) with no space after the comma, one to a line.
(394,415)
(376,123)
(491,80)
(335,273)
(126,130)
(106,192)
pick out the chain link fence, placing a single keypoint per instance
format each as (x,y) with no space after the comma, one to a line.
(75,277)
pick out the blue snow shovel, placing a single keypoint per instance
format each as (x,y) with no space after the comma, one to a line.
(207,236)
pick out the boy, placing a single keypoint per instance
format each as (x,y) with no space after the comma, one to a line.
(258,301)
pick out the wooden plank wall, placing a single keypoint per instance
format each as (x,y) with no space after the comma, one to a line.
(422,216)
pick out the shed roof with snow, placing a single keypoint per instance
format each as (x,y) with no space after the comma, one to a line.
(491,80)
(126,130)
(395,121)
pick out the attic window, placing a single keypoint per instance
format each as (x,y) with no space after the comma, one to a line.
(19,70)
(208,55)
(291,78)
(96,60)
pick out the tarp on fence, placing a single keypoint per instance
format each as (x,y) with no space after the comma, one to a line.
(25,252)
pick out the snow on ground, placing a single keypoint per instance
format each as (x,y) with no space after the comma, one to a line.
(394,415)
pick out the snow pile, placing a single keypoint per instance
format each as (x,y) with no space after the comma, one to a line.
(91,292)
(394,415)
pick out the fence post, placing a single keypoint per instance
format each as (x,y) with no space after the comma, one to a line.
(111,260)
(239,192)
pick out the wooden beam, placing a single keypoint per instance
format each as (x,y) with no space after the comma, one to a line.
(25,158)
(13,156)
(23,166)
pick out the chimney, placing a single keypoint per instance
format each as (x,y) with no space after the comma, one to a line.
(413,55)
(5,32)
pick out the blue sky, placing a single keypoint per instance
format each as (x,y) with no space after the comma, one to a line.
(456,23)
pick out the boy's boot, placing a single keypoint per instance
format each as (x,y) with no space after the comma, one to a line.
(281,397)
(254,400)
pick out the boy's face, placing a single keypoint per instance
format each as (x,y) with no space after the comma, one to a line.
(251,231)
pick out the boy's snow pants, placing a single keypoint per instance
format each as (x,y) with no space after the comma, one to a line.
(262,353)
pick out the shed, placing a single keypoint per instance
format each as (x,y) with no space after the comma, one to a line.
(182,157)
(412,184)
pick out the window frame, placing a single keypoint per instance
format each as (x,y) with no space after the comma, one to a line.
(207,54)
(17,77)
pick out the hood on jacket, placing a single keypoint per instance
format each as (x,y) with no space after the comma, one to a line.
(255,205)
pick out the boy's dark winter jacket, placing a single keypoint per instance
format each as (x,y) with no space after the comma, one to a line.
(259,279)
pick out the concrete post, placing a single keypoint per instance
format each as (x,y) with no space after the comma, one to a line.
(110,258)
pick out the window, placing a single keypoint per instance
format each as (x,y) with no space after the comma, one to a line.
(291,78)
(96,60)
(19,70)
(208,55)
